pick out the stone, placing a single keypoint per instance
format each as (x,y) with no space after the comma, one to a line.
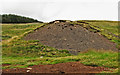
(29,68)
(41,56)
(56,22)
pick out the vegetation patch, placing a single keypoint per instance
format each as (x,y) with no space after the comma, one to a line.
(90,58)
(11,18)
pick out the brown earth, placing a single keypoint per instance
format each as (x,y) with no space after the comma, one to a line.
(73,37)
(70,67)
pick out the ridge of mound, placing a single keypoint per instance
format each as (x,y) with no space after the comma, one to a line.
(73,37)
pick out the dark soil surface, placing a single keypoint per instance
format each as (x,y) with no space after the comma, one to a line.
(70,67)
(75,38)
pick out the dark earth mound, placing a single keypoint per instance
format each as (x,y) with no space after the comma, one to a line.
(73,37)
(74,67)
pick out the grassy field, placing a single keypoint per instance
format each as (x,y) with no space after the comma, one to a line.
(16,51)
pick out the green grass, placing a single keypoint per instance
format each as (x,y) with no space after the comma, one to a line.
(20,53)
(10,30)
(91,58)
(100,58)
(31,48)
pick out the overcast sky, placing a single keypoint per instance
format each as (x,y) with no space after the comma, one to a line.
(49,10)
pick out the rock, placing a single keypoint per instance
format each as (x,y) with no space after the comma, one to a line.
(56,22)
(75,27)
(99,34)
(41,56)
(67,44)
(29,68)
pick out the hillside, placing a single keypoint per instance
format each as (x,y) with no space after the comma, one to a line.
(11,18)
(44,47)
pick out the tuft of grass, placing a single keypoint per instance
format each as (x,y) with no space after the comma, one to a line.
(111,71)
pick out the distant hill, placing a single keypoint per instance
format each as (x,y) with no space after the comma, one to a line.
(11,18)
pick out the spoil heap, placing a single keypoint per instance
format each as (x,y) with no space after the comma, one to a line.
(73,37)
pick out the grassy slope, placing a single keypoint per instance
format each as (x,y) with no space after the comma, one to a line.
(14,47)
(11,30)
(93,58)
(107,28)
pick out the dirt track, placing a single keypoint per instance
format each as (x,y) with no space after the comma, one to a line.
(74,38)
(70,67)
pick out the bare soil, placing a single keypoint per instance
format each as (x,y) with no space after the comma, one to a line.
(70,67)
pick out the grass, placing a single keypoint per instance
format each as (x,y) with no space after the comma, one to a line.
(91,58)
(31,48)
(20,53)
(100,58)
(10,30)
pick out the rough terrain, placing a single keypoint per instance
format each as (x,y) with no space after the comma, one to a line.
(74,67)
(73,37)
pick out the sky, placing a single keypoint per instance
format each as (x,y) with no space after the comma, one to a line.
(49,10)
